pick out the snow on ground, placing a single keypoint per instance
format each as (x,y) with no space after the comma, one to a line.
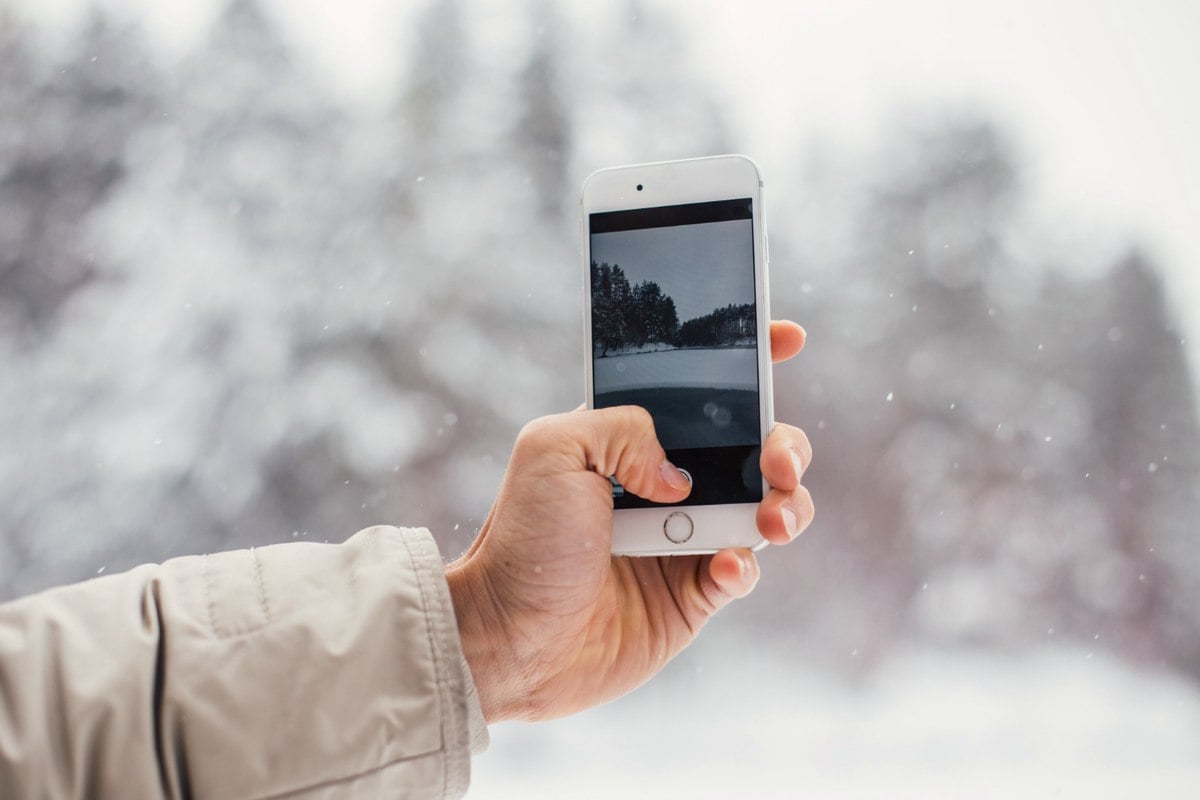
(717,368)
(1056,723)
(631,350)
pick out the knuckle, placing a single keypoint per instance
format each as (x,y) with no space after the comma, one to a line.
(538,432)
(635,418)
(802,502)
(804,447)
(633,424)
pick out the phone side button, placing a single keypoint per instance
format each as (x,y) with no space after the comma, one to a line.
(678,527)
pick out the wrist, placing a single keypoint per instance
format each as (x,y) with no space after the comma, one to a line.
(479,630)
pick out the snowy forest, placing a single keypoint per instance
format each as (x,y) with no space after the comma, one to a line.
(730,325)
(625,316)
(628,317)
(236,309)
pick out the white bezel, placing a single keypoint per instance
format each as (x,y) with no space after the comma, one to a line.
(639,531)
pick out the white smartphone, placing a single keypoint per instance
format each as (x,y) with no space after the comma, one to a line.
(677,321)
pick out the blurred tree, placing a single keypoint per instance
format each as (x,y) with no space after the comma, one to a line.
(638,97)
(301,318)
(543,130)
(483,270)
(905,334)
(1147,473)
(306,319)
(439,67)
(65,126)
(993,461)
(165,377)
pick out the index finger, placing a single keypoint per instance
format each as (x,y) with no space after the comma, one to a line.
(787,339)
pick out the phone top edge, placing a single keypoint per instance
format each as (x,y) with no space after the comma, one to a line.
(675,161)
(713,163)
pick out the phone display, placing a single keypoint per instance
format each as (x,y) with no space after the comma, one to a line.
(677,324)
(674,330)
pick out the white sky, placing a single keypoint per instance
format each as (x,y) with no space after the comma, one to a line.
(1103,97)
(697,266)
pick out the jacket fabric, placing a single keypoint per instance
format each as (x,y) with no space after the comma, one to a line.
(299,670)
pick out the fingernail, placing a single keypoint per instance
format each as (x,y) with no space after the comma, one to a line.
(674,477)
(747,572)
(796,465)
(791,522)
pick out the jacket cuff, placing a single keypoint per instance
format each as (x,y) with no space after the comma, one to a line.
(476,725)
(436,592)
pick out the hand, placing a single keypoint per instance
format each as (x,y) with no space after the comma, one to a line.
(551,623)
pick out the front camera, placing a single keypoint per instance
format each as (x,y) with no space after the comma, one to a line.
(639,187)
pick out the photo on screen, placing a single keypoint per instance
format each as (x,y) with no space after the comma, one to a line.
(674,321)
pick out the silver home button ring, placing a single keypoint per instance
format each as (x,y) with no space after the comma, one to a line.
(678,527)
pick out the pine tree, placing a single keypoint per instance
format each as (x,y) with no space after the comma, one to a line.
(1147,472)
(65,127)
(67,122)
(438,69)
(615,313)
(644,103)
(542,135)
(213,292)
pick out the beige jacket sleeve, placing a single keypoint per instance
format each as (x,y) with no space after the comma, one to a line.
(298,670)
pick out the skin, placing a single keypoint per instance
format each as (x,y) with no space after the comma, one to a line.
(551,623)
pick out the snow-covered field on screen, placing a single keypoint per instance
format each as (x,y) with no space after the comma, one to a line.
(716,368)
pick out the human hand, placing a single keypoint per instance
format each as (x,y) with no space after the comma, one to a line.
(551,623)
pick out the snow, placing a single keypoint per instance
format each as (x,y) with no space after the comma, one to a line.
(716,368)
(1057,722)
(305,318)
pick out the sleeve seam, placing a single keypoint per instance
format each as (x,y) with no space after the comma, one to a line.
(208,597)
(436,630)
(262,588)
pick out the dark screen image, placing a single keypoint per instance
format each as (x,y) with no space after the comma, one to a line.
(674,330)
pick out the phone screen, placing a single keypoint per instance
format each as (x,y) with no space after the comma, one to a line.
(674,330)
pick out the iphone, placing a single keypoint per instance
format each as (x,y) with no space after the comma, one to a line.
(677,322)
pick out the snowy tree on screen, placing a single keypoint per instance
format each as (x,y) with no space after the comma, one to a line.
(610,297)
(730,325)
(629,317)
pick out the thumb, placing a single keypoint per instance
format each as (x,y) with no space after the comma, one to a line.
(621,442)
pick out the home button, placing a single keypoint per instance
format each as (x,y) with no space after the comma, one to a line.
(678,527)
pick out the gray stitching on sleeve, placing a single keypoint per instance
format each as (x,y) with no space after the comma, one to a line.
(208,596)
(262,588)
